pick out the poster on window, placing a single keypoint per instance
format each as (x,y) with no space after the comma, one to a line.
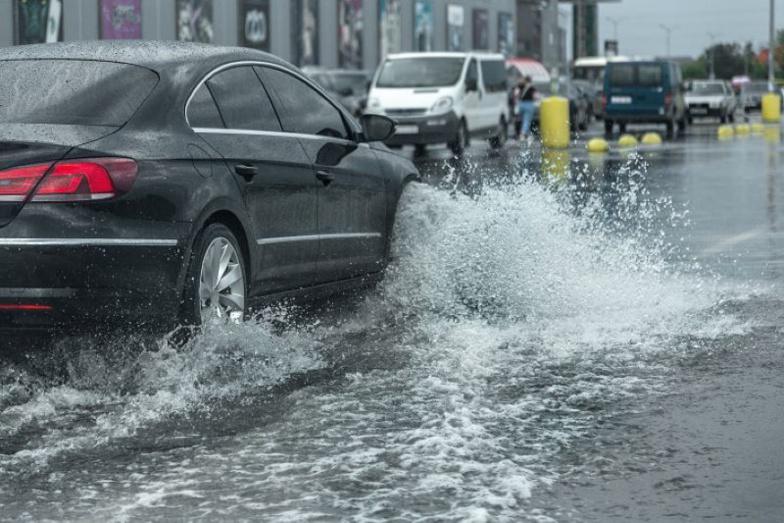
(391,27)
(423,25)
(350,29)
(481,29)
(505,34)
(38,21)
(121,19)
(306,35)
(194,21)
(254,28)
(455,22)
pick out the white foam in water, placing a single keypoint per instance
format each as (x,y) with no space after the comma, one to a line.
(503,330)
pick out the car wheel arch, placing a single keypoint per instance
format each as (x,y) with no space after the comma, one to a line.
(226,213)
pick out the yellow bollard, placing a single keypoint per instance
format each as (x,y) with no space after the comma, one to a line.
(757,128)
(742,129)
(771,108)
(554,122)
(725,132)
(627,141)
(651,139)
(598,145)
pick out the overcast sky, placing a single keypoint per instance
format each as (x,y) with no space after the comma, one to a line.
(639,30)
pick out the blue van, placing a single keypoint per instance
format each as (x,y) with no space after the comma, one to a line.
(644,91)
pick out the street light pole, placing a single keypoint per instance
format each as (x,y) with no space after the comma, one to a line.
(614,22)
(772,47)
(668,29)
(712,37)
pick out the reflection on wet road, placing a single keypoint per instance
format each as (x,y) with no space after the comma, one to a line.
(559,337)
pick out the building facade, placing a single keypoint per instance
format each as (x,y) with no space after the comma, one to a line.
(329,33)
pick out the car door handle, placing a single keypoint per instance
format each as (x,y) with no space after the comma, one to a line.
(246,171)
(325,176)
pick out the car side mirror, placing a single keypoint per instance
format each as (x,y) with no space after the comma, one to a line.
(376,127)
(471,85)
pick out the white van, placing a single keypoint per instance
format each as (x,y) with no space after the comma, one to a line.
(442,98)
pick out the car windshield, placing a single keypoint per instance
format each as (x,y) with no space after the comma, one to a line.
(707,89)
(72,91)
(420,72)
(345,82)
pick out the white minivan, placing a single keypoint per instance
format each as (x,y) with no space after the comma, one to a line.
(442,98)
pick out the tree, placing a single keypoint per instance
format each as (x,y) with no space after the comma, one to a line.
(728,58)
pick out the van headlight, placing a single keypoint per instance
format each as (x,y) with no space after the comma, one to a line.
(442,105)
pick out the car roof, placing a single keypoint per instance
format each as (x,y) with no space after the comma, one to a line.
(155,55)
(446,54)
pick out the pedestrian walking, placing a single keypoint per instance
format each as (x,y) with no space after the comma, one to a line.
(527,95)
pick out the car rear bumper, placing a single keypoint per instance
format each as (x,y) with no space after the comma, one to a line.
(424,130)
(50,278)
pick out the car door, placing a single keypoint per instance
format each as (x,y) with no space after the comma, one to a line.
(272,170)
(472,108)
(352,193)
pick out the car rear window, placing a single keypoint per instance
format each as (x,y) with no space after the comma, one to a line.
(622,75)
(75,92)
(649,75)
(636,75)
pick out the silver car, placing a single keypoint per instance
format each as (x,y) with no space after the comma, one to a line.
(711,99)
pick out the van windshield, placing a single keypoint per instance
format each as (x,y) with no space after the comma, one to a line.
(420,72)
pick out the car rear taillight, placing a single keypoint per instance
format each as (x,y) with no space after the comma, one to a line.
(604,102)
(29,307)
(668,99)
(69,180)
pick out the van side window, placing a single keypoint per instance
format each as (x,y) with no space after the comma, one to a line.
(494,76)
(472,73)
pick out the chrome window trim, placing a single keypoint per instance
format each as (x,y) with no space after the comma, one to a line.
(317,237)
(271,65)
(280,134)
(86,242)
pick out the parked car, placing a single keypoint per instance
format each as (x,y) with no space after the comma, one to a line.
(349,87)
(594,96)
(579,104)
(712,99)
(442,98)
(752,93)
(644,91)
(157,183)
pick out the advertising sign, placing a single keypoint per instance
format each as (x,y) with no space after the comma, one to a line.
(481,29)
(121,19)
(505,34)
(350,28)
(391,27)
(254,28)
(194,21)
(38,21)
(305,34)
(455,21)
(423,25)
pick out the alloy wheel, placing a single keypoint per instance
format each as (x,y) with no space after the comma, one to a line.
(221,282)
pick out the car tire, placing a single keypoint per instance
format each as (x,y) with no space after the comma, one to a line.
(608,128)
(723,118)
(682,125)
(420,149)
(670,129)
(731,117)
(459,144)
(502,135)
(215,245)
(622,127)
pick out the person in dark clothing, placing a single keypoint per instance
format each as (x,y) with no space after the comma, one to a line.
(526,107)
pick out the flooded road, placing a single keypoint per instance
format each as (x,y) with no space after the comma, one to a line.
(558,338)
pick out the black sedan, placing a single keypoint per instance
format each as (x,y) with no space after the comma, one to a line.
(158,183)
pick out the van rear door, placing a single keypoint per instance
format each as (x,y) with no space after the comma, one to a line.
(637,88)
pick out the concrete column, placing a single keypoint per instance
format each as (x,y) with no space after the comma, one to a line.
(225,17)
(159,20)
(6,23)
(80,20)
